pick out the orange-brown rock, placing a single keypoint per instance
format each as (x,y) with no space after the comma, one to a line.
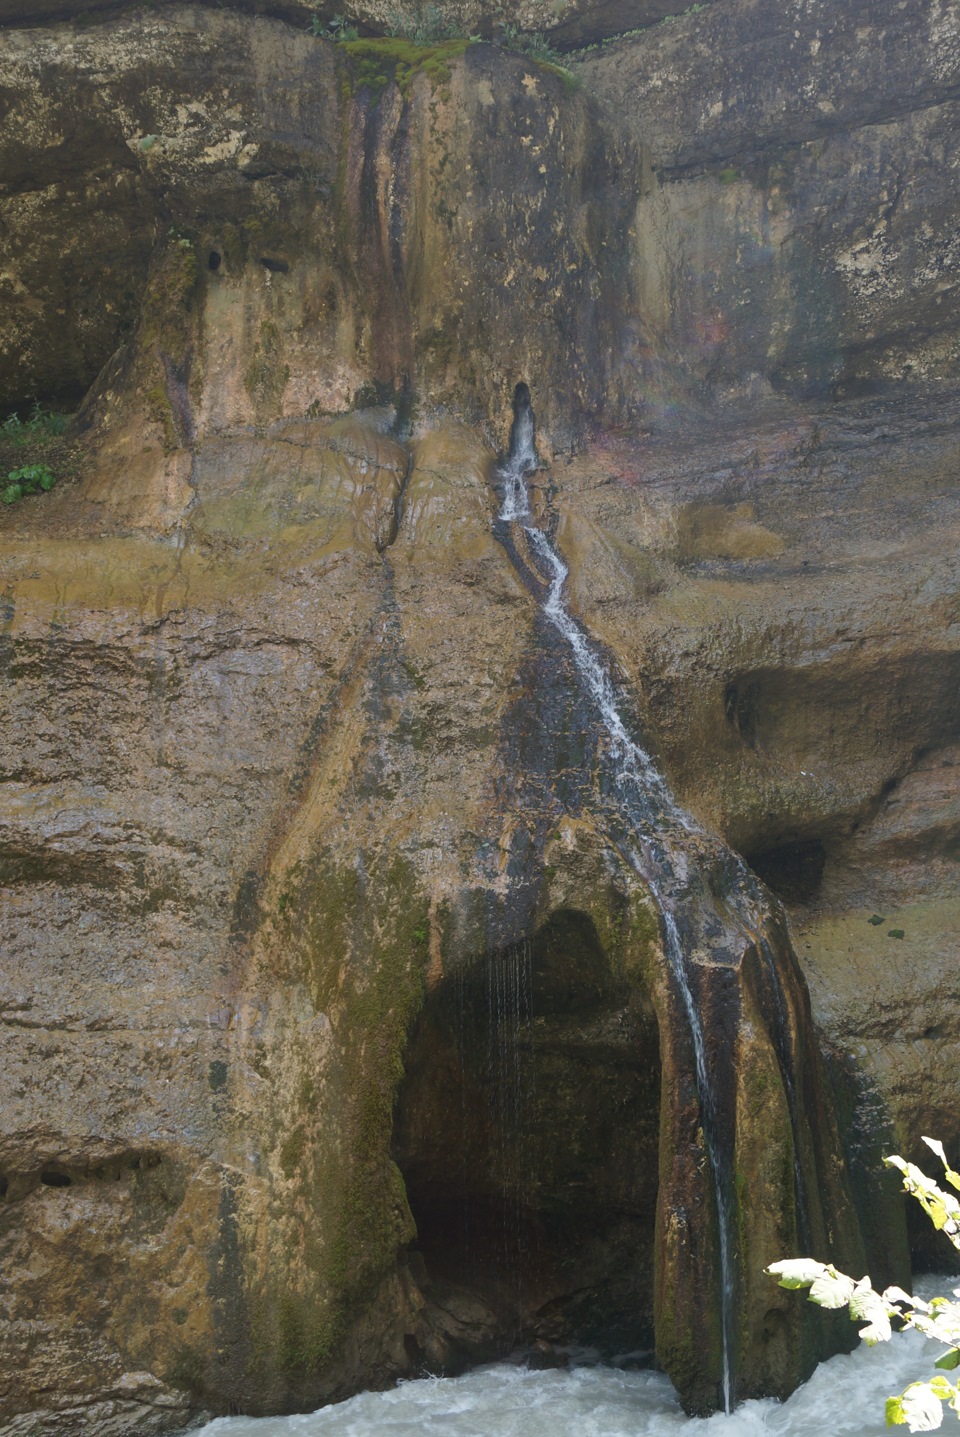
(340,1032)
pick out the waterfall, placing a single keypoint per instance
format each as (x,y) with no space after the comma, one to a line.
(652,813)
(748,1131)
(521,458)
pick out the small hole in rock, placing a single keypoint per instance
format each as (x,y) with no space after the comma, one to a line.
(213,259)
(793,870)
(275,266)
(3,1185)
(730,697)
(53,1179)
(413,1349)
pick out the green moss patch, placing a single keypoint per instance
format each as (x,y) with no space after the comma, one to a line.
(375,63)
(356,939)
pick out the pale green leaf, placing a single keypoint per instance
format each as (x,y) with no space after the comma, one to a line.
(937,1147)
(796,1272)
(942,1323)
(921,1408)
(941,1207)
(896,1294)
(869,1305)
(949,1360)
(832,1289)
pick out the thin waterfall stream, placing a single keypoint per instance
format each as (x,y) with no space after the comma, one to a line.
(714,1067)
(645,790)
(733,995)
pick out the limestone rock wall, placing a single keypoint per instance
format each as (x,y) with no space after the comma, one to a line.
(819,544)
(315,225)
(284,755)
(567,23)
(326,764)
(803,230)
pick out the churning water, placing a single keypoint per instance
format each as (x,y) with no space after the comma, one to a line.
(844,1398)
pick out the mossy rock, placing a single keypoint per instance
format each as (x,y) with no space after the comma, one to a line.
(375,63)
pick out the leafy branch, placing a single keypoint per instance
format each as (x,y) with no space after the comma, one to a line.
(920,1406)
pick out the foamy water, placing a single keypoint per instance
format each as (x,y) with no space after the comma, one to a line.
(844,1398)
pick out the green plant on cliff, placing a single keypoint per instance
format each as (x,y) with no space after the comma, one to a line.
(427,27)
(536,47)
(920,1406)
(40,426)
(28,479)
(682,14)
(529,42)
(335,29)
(375,63)
(426,42)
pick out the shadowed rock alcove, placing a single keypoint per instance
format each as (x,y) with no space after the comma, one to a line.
(527,1132)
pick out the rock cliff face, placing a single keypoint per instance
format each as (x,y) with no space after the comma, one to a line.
(288,225)
(568,23)
(327,991)
(802,233)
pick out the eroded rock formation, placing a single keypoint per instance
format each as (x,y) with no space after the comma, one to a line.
(327,990)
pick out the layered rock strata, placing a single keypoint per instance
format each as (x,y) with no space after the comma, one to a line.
(314,918)
(802,233)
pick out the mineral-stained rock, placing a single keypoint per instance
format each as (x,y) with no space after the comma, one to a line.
(316,911)
(829,756)
(802,232)
(566,23)
(330,221)
(126,857)
(301,806)
(307,815)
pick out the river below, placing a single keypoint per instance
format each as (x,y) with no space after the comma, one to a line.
(844,1398)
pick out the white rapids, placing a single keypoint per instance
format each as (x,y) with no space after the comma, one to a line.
(844,1398)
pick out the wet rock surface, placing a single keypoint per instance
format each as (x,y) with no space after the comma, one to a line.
(316,910)
(275,222)
(802,229)
(828,758)
(568,24)
(246,836)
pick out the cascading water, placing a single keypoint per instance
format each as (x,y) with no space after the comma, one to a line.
(655,837)
(521,459)
(635,771)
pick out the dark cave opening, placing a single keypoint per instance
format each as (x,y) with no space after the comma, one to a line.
(52,1178)
(794,871)
(527,1134)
